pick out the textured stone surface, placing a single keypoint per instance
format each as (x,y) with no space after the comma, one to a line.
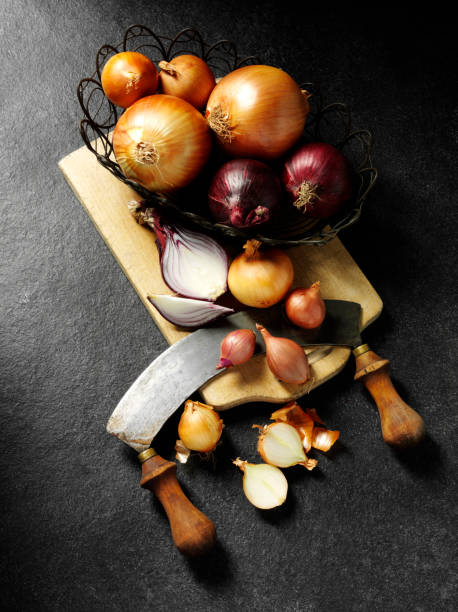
(369,529)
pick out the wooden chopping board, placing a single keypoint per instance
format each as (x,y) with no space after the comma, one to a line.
(105,199)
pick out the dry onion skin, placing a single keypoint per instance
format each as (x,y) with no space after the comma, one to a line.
(127,77)
(161,142)
(293,414)
(187,77)
(320,438)
(257,112)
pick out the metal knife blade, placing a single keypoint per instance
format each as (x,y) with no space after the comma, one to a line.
(184,367)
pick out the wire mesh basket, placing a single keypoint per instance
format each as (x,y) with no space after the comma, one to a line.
(329,123)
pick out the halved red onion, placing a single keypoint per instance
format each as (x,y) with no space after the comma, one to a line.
(186,312)
(193,264)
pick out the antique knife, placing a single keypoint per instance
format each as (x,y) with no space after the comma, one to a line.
(176,374)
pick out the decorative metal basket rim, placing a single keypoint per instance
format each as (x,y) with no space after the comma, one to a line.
(222,56)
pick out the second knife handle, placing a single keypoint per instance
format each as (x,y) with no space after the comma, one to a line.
(193,532)
(401,425)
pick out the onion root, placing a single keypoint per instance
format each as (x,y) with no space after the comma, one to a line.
(219,122)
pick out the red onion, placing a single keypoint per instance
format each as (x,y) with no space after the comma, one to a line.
(192,264)
(185,312)
(318,178)
(244,192)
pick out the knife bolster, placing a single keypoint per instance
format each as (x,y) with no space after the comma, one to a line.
(401,425)
(193,532)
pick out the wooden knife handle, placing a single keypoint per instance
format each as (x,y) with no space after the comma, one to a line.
(193,532)
(401,425)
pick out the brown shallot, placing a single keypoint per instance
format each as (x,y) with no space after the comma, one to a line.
(237,348)
(305,307)
(285,358)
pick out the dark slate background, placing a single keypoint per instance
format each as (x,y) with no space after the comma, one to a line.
(370,529)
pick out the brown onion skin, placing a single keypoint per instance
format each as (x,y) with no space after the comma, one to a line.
(243,193)
(127,77)
(327,173)
(193,80)
(175,130)
(260,279)
(304,307)
(265,108)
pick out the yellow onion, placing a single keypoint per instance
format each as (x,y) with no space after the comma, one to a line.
(187,77)
(161,142)
(260,277)
(127,77)
(257,112)
(200,427)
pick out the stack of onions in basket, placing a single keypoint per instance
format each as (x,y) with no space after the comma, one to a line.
(255,115)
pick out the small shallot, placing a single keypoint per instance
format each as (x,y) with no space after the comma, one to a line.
(200,427)
(264,485)
(305,307)
(285,358)
(236,348)
(186,312)
(280,444)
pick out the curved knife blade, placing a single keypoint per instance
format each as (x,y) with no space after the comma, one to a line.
(185,366)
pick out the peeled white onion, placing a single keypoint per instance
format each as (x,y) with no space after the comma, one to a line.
(265,486)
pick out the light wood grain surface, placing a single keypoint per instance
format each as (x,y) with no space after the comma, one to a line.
(105,199)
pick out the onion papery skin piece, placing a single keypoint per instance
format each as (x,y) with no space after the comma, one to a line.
(305,308)
(318,179)
(323,439)
(243,193)
(187,312)
(192,264)
(187,77)
(161,142)
(260,277)
(293,414)
(127,77)
(257,112)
